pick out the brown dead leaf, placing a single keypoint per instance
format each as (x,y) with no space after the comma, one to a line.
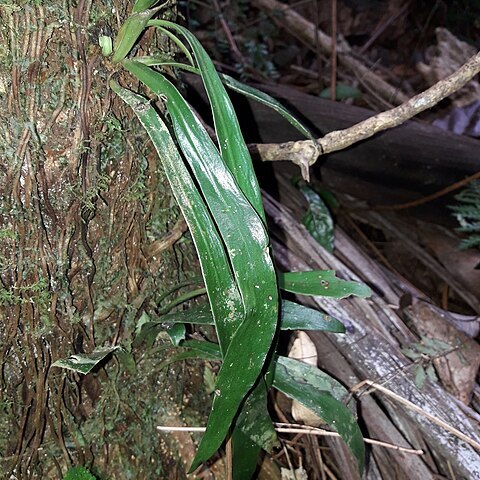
(457,370)
(304,349)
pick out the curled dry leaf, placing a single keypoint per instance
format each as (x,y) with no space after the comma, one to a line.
(297,474)
(304,349)
(457,370)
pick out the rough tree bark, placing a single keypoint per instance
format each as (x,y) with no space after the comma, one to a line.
(88,233)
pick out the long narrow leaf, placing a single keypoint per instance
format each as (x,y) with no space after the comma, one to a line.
(267,100)
(292,317)
(298,317)
(209,348)
(233,148)
(179,44)
(201,315)
(245,453)
(142,5)
(221,288)
(187,355)
(185,297)
(254,419)
(130,32)
(176,287)
(159,61)
(247,244)
(308,386)
(322,380)
(323,283)
(239,87)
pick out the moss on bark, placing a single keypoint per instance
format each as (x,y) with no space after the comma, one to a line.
(90,239)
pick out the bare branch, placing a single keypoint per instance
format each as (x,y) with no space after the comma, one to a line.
(304,152)
(341,139)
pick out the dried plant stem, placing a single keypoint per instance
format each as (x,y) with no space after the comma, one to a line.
(375,386)
(341,139)
(228,34)
(302,429)
(433,196)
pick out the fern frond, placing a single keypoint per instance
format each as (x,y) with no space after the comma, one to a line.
(467,214)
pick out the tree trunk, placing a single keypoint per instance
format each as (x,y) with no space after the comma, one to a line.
(88,233)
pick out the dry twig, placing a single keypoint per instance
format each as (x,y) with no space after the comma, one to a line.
(412,406)
(304,430)
(303,152)
(333,74)
(228,34)
(433,196)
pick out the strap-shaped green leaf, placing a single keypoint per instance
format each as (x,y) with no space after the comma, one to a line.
(254,419)
(323,283)
(184,297)
(85,362)
(313,375)
(245,453)
(209,348)
(253,429)
(239,87)
(297,317)
(267,100)
(180,45)
(292,317)
(142,5)
(247,244)
(187,355)
(130,32)
(221,288)
(321,394)
(233,148)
